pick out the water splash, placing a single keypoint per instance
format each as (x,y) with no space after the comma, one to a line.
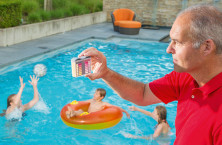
(41,106)
(132,127)
(16,114)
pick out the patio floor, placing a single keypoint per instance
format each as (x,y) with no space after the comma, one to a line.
(18,52)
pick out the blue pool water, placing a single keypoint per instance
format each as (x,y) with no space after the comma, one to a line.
(141,60)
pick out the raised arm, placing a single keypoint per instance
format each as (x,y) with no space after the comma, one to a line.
(19,94)
(131,90)
(133,108)
(33,82)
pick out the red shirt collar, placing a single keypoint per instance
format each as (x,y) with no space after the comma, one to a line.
(210,86)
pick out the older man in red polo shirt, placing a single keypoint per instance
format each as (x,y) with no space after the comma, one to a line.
(196,82)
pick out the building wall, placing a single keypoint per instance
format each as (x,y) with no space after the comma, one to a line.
(154,12)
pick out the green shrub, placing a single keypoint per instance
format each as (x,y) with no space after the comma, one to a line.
(58,4)
(34,17)
(77,9)
(10,13)
(99,7)
(77,1)
(93,6)
(58,13)
(45,15)
(90,5)
(67,13)
(41,3)
(33,10)
(29,6)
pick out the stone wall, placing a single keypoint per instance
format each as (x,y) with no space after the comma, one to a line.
(154,12)
(14,35)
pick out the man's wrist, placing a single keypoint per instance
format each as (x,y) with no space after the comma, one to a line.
(107,74)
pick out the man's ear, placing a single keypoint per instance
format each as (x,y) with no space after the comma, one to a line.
(208,47)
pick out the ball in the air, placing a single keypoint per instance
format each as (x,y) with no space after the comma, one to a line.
(40,70)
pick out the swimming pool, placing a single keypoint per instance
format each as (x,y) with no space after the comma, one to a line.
(140,60)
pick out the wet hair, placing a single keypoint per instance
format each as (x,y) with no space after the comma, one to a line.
(162,113)
(102,92)
(9,100)
(206,23)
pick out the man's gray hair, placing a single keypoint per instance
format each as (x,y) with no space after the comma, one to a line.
(206,23)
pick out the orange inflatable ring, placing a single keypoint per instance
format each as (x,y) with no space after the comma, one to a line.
(108,117)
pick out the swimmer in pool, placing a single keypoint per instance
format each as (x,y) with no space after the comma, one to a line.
(14,103)
(96,104)
(159,114)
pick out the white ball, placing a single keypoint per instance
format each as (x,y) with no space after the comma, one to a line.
(40,70)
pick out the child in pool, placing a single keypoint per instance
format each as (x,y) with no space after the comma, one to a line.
(14,103)
(96,104)
(159,114)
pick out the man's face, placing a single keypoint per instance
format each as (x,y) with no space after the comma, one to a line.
(186,58)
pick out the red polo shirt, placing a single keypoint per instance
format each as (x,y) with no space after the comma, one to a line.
(199,110)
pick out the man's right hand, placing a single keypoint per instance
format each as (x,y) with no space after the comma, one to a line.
(98,63)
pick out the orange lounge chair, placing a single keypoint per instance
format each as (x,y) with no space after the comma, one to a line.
(129,27)
(122,15)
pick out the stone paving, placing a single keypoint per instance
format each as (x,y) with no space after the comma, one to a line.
(22,51)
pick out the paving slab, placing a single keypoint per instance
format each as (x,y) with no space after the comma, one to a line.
(25,50)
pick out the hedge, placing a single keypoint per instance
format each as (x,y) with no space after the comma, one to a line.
(10,13)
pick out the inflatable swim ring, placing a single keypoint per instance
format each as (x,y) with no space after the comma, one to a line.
(108,117)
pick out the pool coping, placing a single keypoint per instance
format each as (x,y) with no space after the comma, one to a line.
(19,52)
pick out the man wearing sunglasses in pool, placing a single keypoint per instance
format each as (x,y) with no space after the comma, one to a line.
(196,82)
